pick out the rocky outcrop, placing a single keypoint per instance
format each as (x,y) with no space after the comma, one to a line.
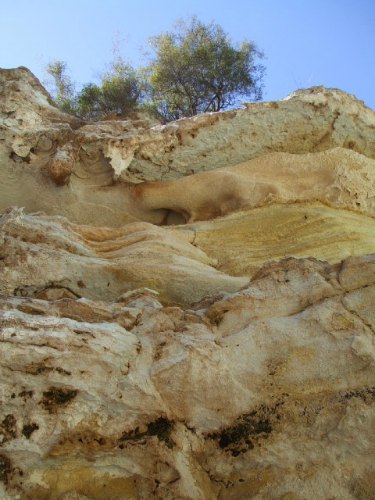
(26,105)
(339,178)
(75,165)
(264,393)
(312,120)
(206,336)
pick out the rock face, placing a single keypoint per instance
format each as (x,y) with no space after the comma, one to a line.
(337,177)
(206,336)
(41,254)
(74,166)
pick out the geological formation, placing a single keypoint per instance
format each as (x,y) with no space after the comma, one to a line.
(187,311)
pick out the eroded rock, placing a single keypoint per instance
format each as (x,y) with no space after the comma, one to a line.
(201,398)
(311,120)
(338,177)
(229,354)
(49,257)
(80,170)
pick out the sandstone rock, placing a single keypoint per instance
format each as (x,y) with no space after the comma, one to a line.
(74,166)
(243,241)
(266,393)
(312,120)
(49,257)
(228,354)
(338,178)
(44,167)
(61,165)
(25,102)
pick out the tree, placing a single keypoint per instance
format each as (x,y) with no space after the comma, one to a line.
(197,69)
(120,92)
(61,86)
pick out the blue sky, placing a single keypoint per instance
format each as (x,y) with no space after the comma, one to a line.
(328,42)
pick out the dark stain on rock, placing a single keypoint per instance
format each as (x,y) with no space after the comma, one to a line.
(41,367)
(5,468)
(101,441)
(56,397)
(161,428)
(159,350)
(180,137)
(8,428)
(246,430)
(367,394)
(26,394)
(28,429)
(37,368)
(62,371)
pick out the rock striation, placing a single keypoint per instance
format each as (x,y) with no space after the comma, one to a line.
(187,310)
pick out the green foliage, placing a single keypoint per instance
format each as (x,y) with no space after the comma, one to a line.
(88,101)
(61,86)
(197,69)
(120,92)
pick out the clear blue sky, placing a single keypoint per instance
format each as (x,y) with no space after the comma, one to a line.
(306,42)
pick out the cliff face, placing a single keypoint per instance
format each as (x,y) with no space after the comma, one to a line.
(187,311)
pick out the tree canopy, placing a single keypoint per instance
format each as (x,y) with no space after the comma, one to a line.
(197,69)
(120,91)
(61,86)
(194,69)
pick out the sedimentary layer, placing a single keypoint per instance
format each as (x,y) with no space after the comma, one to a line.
(338,178)
(44,256)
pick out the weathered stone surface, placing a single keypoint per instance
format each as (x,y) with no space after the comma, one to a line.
(338,178)
(42,256)
(264,393)
(243,241)
(226,355)
(74,166)
(44,166)
(311,120)
(26,104)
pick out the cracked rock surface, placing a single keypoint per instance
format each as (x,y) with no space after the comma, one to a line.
(175,336)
